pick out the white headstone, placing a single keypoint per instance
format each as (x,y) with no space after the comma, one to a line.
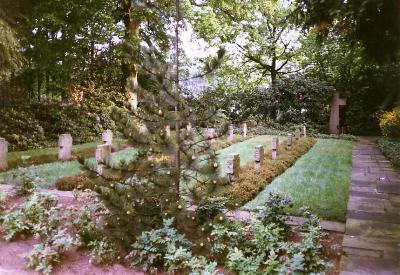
(64,147)
(211,134)
(133,101)
(274,147)
(189,126)
(304,131)
(297,134)
(3,154)
(258,156)
(168,130)
(289,141)
(107,137)
(233,166)
(244,129)
(103,157)
(230,133)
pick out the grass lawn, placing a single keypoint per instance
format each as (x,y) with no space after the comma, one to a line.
(319,180)
(245,149)
(51,172)
(13,156)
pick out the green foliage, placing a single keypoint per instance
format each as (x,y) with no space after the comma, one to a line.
(25,181)
(45,255)
(24,219)
(3,198)
(70,183)
(389,123)
(37,125)
(391,149)
(297,99)
(163,247)
(209,208)
(102,252)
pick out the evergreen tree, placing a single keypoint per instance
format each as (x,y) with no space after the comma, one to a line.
(143,191)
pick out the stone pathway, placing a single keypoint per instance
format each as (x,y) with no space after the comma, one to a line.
(372,237)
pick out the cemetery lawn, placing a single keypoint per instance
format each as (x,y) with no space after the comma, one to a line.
(319,180)
(49,173)
(48,155)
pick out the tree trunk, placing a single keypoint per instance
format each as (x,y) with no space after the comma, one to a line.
(129,68)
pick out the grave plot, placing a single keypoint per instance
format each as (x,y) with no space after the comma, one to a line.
(319,180)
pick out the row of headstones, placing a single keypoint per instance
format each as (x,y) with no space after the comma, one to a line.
(64,148)
(233,161)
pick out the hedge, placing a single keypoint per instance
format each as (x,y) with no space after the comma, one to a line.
(390,148)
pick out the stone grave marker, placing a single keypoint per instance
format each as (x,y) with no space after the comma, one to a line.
(334,120)
(259,156)
(103,157)
(189,127)
(168,130)
(64,147)
(274,147)
(304,131)
(297,134)
(233,166)
(244,129)
(289,141)
(211,134)
(3,154)
(230,133)
(107,137)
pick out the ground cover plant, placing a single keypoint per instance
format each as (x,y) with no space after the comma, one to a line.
(184,243)
(319,180)
(390,149)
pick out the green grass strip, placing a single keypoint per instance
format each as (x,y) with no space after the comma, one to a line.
(319,180)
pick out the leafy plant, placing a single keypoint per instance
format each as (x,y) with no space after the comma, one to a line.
(102,252)
(24,219)
(44,255)
(25,181)
(209,207)
(151,248)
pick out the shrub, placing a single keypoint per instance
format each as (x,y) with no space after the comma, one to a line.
(389,122)
(70,183)
(391,149)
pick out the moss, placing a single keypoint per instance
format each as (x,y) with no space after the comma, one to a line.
(251,181)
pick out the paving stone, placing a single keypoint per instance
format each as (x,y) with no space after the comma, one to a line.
(372,237)
(369,194)
(368,265)
(383,217)
(375,229)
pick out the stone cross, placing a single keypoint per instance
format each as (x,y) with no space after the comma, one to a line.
(289,141)
(258,156)
(274,147)
(233,167)
(64,147)
(230,133)
(103,157)
(244,129)
(3,154)
(297,134)
(168,130)
(334,121)
(107,137)
(304,131)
